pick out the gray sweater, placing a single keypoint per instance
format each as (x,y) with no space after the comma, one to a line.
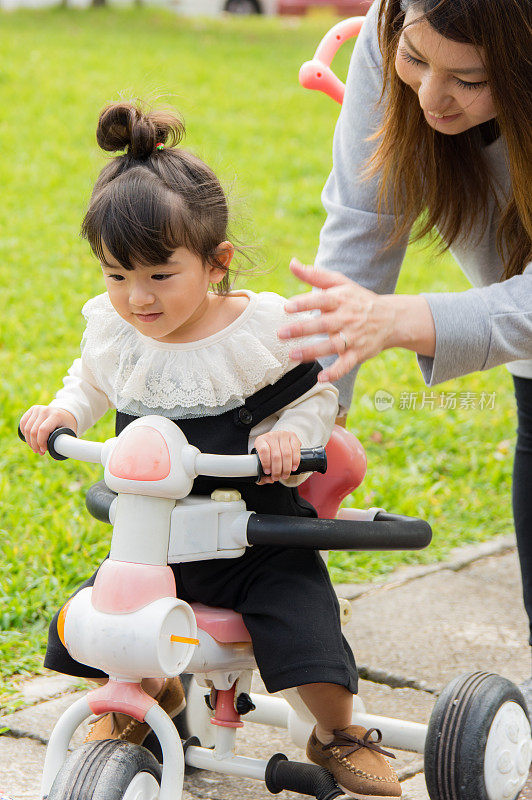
(480,328)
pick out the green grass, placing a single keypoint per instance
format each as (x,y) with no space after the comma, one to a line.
(235,81)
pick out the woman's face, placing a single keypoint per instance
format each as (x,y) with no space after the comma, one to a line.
(448,77)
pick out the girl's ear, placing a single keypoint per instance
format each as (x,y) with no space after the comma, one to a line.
(224,255)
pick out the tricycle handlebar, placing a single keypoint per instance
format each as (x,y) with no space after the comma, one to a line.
(63,443)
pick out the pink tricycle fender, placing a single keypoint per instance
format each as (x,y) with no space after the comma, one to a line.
(317,74)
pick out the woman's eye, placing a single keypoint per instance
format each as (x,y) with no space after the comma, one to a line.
(463,84)
(116,277)
(466,85)
(161,277)
(407,57)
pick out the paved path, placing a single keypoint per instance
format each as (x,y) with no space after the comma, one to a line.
(427,628)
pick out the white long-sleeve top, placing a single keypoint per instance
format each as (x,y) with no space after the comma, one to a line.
(121,368)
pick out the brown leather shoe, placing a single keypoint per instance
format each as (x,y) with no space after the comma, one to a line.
(357,763)
(171,698)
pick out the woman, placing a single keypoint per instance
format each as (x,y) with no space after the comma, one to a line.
(436,122)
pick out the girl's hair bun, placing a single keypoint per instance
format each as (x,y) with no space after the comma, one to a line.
(127,125)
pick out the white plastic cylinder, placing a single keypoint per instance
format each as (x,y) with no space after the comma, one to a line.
(134,645)
(80,449)
(244,767)
(224,742)
(269,711)
(399,734)
(226,466)
(141,529)
(299,729)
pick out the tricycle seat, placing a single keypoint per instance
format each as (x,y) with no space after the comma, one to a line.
(222,624)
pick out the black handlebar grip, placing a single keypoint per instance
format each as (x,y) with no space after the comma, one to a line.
(51,440)
(313,459)
(308,779)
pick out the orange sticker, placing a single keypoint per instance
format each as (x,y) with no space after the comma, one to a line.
(184,639)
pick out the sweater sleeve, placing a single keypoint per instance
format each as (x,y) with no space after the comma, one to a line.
(354,235)
(480,328)
(81,396)
(311,417)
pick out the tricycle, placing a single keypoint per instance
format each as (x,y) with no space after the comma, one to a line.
(131,625)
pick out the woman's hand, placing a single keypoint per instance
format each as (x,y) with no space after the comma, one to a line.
(279,453)
(358,322)
(38,423)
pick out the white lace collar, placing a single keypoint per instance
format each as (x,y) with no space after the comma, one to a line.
(216,372)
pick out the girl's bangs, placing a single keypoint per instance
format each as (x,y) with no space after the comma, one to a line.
(137,225)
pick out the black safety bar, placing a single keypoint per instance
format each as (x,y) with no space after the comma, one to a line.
(385,532)
(98,500)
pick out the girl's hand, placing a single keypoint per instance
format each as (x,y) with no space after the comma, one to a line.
(359,322)
(279,453)
(38,423)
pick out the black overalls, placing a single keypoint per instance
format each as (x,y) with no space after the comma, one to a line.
(285,596)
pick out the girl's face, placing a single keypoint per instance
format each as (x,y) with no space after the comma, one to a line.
(164,302)
(448,77)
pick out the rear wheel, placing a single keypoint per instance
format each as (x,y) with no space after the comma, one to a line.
(478,742)
(108,770)
(242,7)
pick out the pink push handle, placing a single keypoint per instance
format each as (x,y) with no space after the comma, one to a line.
(317,74)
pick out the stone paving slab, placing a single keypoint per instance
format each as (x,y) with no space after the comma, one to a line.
(45,687)
(415,789)
(458,558)
(398,703)
(21,762)
(37,721)
(447,623)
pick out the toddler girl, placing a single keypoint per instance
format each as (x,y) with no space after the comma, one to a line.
(159,342)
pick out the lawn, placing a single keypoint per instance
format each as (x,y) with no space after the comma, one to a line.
(235,81)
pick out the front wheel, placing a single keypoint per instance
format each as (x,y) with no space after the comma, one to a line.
(479,743)
(108,770)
